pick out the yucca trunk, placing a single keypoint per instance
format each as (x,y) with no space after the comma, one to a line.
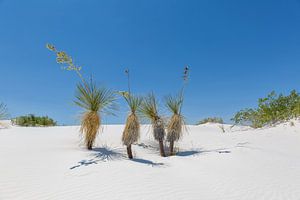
(131,133)
(89,127)
(161,148)
(172,148)
(129,152)
(159,134)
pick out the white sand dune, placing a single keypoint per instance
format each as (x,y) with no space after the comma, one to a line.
(50,163)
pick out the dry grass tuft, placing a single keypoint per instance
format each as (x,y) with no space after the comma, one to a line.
(158,129)
(90,125)
(149,111)
(176,123)
(131,132)
(175,128)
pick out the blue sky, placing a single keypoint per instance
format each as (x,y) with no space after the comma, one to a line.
(238,51)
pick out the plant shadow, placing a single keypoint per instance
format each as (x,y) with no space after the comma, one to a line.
(195,152)
(181,153)
(101,154)
(106,154)
(187,153)
(147,162)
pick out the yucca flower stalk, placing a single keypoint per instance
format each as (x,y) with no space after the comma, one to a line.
(95,101)
(149,110)
(131,132)
(66,61)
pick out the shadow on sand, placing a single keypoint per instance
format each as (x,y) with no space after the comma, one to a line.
(200,151)
(105,154)
(147,162)
(187,153)
(102,154)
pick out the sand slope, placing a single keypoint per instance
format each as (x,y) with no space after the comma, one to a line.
(51,163)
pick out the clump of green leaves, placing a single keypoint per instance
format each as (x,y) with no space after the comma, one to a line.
(270,110)
(218,120)
(32,120)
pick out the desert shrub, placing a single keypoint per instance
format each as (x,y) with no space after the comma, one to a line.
(32,120)
(270,110)
(211,120)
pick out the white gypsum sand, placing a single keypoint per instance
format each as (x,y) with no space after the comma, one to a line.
(51,163)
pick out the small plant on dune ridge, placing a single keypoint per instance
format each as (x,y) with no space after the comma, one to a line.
(93,99)
(3,111)
(271,110)
(149,111)
(218,120)
(176,123)
(131,132)
(32,120)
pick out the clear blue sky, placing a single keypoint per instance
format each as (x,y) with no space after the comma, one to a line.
(238,51)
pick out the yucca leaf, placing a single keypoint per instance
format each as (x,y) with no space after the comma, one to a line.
(91,98)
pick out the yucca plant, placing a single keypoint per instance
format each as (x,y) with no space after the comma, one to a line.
(174,105)
(3,111)
(89,96)
(176,122)
(149,110)
(131,132)
(94,101)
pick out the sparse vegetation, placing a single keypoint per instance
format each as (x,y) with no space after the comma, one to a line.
(33,121)
(218,120)
(149,110)
(271,110)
